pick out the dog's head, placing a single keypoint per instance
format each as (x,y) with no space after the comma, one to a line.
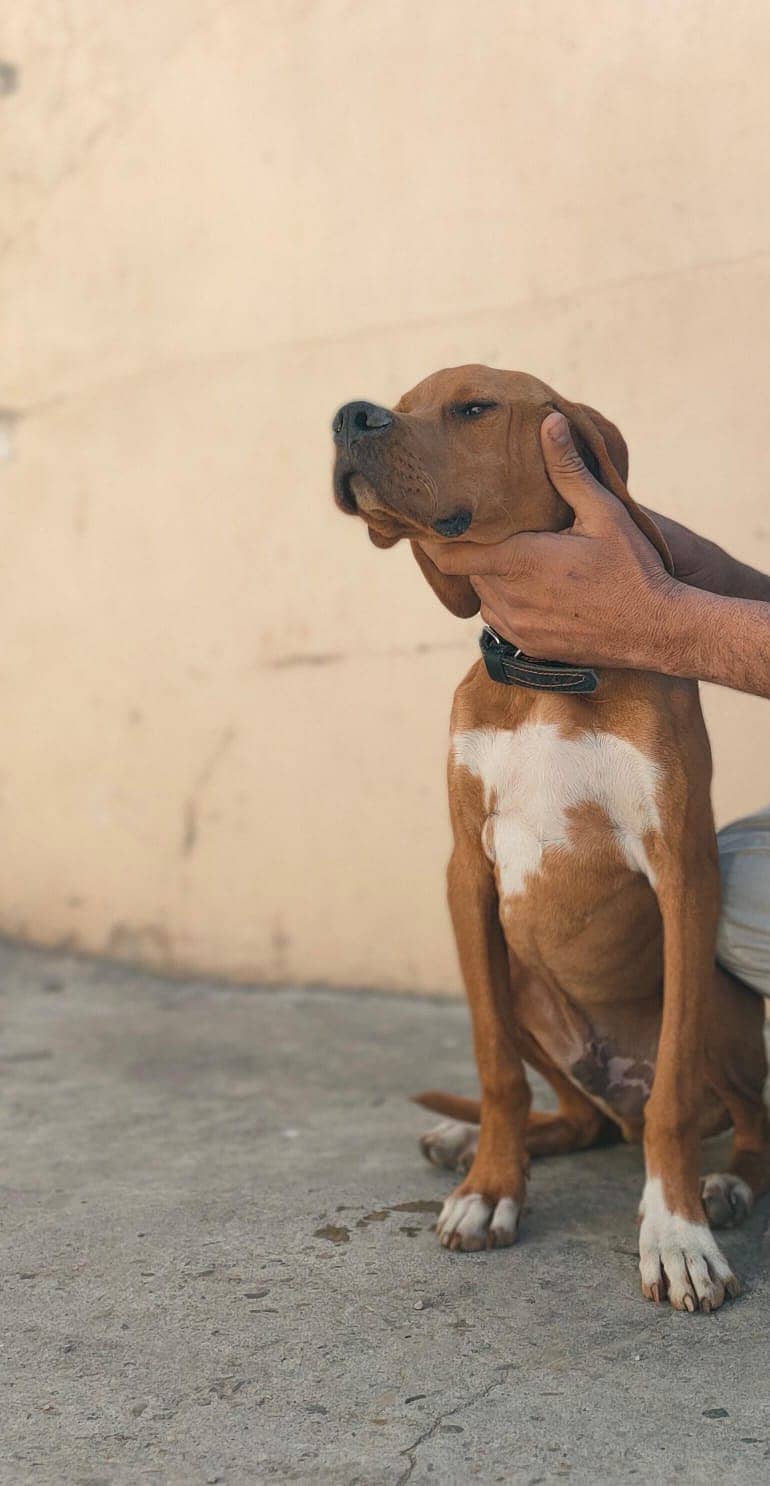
(460,456)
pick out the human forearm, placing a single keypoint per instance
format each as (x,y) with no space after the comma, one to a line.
(702,564)
(710,638)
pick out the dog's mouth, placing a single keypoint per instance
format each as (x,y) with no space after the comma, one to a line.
(344,492)
(356,495)
(354,492)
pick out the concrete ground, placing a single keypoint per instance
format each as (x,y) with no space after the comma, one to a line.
(218,1263)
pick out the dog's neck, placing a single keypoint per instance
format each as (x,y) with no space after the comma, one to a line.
(509,666)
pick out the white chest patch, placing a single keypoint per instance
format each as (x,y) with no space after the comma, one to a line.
(534,776)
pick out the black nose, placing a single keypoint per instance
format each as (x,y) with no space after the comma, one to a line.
(357,418)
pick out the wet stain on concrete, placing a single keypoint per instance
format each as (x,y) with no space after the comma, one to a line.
(339,1233)
(334,1232)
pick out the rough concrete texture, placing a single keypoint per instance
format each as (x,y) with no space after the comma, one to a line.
(219,1265)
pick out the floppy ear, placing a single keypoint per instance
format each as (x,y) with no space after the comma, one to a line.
(604,450)
(456,594)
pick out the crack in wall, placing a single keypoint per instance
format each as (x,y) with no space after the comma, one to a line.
(165,366)
(191,803)
(335,657)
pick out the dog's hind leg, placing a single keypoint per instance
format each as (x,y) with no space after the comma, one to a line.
(576,1125)
(452,1144)
(736,1068)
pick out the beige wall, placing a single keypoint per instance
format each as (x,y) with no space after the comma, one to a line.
(224,714)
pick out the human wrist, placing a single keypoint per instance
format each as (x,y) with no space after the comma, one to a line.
(689,624)
(671,637)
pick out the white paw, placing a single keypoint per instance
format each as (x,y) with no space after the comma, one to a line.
(452,1144)
(680,1260)
(467,1221)
(727,1199)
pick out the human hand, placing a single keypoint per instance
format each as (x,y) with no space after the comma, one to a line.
(597,593)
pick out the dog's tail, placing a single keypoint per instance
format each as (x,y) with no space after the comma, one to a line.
(451,1105)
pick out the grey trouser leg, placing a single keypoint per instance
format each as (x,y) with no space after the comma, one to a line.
(743,944)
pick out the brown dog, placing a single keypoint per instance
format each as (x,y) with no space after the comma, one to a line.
(584,885)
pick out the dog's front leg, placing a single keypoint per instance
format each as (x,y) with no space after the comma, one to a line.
(679,1257)
(483,1212)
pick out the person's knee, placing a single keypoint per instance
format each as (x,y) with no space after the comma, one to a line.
(743,942)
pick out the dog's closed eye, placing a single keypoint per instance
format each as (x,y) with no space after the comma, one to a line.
(471,409)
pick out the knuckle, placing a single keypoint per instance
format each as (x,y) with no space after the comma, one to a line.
(570,463)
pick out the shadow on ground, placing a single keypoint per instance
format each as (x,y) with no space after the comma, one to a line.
(218,1263)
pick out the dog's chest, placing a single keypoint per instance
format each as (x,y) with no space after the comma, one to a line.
(536,779)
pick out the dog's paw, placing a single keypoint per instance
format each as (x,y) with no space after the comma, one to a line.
(468,1221)
(452,1144)
(726,1198)
(680,1260)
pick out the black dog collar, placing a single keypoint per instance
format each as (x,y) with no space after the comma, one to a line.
(511,667)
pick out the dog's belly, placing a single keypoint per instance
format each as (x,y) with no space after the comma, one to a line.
(567,827)
(608,1051)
